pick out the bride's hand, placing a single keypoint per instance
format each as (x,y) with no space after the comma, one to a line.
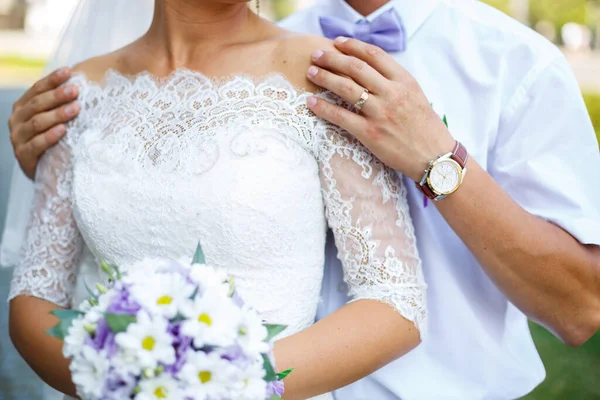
(39,117)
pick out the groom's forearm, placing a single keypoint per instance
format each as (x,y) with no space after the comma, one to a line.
(542,269)
(347,345)
(29,320)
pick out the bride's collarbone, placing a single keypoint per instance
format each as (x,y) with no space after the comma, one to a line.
(289,57)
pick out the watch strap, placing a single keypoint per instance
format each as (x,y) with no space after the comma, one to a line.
(426,190)
(460,155)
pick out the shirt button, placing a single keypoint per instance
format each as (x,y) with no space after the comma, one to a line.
(341,287)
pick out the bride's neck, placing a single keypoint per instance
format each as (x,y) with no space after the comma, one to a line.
(184,30)
(367,7)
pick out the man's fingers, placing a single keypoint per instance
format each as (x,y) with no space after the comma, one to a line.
(361,72)
(344,87)
(45,101)
(29,153)
(337,115)
(45,84)
(46,120)
(372,55)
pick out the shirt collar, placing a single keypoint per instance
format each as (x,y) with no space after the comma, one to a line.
(412,12)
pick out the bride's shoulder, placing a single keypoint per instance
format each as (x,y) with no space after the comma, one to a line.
(294,55)
(95,69)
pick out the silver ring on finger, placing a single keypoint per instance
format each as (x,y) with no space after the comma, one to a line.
(364,97)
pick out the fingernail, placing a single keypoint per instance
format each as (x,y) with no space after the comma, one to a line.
(317,54)
(71,110)
(69,90)
(63,71)
(312,101)
(59,130)
(341,40)
(313,71)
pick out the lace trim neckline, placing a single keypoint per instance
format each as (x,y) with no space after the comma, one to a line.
(112,78)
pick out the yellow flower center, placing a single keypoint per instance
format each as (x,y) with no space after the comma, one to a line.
(204,376)
(148,343)
(160,393)
(205,318)
(164,301)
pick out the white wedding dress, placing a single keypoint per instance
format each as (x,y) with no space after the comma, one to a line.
(151,167)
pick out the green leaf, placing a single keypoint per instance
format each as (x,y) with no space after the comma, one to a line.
(199,256)
(274,330)
(269,370)
(119,323)
(275,397)
(445,120)
(66,318)
(282,375)
(93,295)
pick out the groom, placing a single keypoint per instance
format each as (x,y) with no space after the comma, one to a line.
(520,234)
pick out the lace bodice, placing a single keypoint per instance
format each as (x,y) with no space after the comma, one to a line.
(151,167)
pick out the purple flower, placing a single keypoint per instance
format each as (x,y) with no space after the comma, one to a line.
(118,387)
(124,304)
(236,355)
(275,388)
(104,339)
(237,299)
(176,267)
(181,344)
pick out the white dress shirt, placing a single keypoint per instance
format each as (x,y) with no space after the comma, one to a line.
(511,98)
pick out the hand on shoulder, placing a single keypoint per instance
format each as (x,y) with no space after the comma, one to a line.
(294,53)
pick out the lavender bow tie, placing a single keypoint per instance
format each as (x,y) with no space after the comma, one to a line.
(386,31)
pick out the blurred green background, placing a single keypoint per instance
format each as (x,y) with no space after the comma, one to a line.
(572,373)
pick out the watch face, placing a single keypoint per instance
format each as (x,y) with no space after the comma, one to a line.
(445,177)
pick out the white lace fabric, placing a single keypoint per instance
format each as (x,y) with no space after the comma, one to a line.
(151,167)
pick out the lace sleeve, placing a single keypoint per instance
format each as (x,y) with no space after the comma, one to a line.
(47,266)
(367,210)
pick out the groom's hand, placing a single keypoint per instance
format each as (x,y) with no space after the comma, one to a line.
(39,117)
(397,123)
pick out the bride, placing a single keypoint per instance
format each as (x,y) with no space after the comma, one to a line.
(163,156)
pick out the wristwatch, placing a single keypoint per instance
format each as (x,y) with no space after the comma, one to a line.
(445,174)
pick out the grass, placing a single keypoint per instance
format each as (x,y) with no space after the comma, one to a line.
(572,373)
(592,100)
(18,71)
(9,61)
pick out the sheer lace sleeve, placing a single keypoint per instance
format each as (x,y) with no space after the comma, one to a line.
(367,210)
(47,266)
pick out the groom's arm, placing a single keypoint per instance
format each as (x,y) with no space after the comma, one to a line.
(550,274)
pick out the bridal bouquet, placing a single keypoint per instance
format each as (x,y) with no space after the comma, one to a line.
(169,330)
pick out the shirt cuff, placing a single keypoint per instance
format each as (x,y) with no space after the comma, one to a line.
(585,230)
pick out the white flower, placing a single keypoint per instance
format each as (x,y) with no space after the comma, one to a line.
(105,300)
(252,333)
(161,387)
(88,372)
(149,340)
(253,385)
(126,363)
(212,319)
(208,376)
(75,338)
(210,279)
(162,293)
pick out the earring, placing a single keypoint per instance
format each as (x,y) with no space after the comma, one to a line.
(258,7)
